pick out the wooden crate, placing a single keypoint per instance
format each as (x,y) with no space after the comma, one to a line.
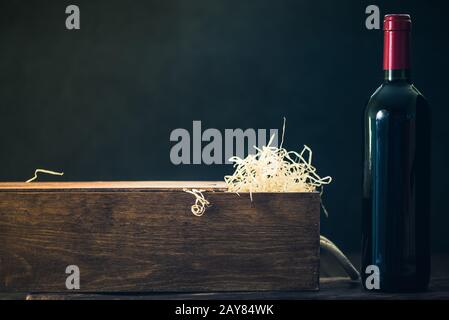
(142,237)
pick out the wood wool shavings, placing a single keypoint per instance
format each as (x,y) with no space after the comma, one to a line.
(201,203)
(44,171)
(274,169)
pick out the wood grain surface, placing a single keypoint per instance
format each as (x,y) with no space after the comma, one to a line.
(144,239)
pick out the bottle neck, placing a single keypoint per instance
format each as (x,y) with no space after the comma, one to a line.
(397,55)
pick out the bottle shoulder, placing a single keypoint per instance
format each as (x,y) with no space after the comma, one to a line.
(396,97)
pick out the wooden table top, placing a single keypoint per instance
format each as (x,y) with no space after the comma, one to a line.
(334,288)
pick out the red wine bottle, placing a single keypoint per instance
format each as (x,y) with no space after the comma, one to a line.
(396,180)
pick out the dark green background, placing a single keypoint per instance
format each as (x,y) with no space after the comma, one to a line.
(100,103)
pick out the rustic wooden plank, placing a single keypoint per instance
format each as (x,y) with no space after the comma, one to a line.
(133,241)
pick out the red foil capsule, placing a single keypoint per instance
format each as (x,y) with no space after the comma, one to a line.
(397,28)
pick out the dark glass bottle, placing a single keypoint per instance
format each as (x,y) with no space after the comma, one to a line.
(396,181)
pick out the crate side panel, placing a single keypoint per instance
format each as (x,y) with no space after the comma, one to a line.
(136,242)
